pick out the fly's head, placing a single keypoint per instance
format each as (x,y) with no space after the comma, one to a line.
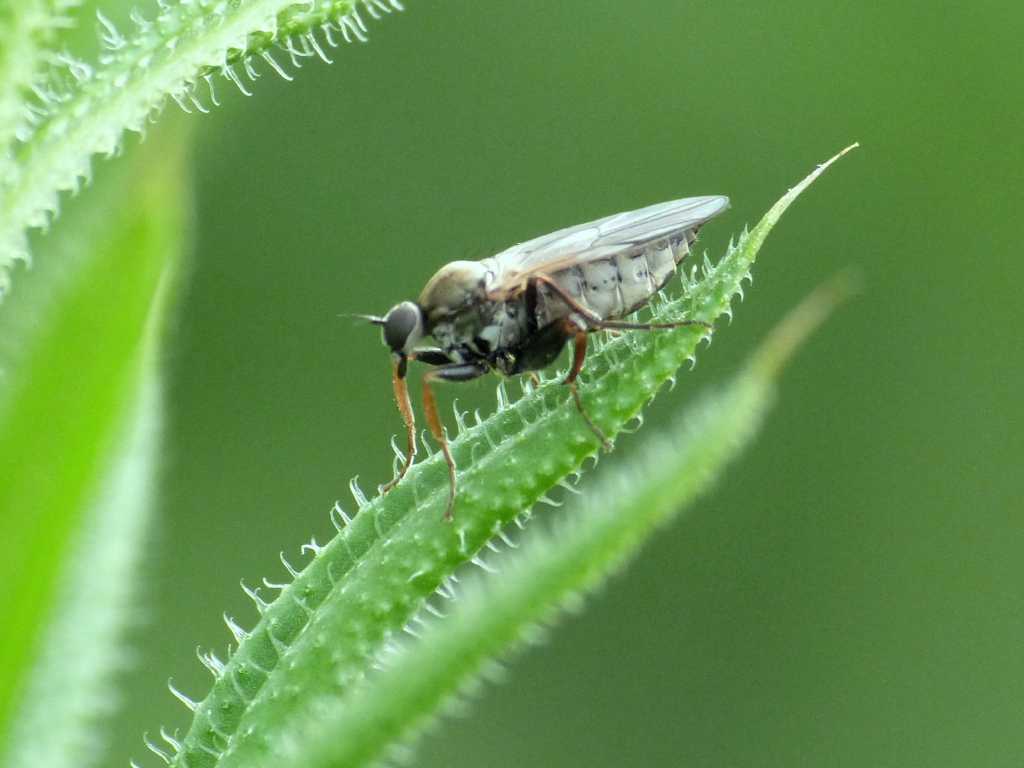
(401,331)
(455,287)
(402,328)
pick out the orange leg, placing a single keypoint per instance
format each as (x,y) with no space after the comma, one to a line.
(579,355)
(579,352)
(453,372)
(617,325)
(591,322)
(405,408)
(437,430)
(570,302)
(597,323)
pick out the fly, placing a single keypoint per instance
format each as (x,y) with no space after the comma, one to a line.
(513,313)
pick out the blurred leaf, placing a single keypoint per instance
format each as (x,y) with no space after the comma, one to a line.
(28,29)
(79,406)
(323,633)
(86,107)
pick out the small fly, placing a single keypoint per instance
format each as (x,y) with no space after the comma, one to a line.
(514,312)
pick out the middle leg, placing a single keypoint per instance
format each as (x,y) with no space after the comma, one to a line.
(454,372)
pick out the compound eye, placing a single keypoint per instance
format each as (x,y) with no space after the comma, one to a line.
(403,327)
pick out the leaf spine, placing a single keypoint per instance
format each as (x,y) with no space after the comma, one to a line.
(433,610)
(505,538)
(426,443)
(267,57)
(189,703)
(209,660)
(502,395)
(288,566)
(229,72)
(155,749)
(311,37)
(338,517)
(482,564)
(254,595)
(357,493)
(171,741)
(312,547)
(236,631)
(273,585)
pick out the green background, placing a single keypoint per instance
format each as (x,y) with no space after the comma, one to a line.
(851,593)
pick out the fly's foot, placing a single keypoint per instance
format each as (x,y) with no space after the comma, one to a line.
(606,444)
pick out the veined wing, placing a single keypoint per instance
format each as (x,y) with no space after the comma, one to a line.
(600,239)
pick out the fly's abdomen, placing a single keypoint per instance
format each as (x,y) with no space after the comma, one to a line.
(646,272)
(619,285)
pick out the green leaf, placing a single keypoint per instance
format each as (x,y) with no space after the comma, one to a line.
(28,30)
(79,411)
(186,46)
(319,638)
(596,536)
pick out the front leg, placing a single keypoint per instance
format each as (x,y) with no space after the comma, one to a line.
(453,372)
(430,356)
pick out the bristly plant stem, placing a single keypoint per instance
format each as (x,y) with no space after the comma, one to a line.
(28,29)
(326,628)
(186,45)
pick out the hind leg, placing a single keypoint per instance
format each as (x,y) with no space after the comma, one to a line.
(579,341)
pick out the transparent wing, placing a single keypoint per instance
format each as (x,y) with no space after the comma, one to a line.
(602,238)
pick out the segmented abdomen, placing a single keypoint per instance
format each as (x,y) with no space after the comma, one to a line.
(617,286)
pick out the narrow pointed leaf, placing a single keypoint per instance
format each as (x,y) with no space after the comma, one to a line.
(79,410)
(321,636)
(604,528)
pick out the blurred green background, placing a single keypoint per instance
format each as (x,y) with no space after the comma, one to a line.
(851,594)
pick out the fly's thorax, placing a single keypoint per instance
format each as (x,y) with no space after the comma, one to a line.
(456,331)
(459,315)
(485,330)
(455,287)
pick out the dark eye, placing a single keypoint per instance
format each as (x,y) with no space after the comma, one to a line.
(400,323)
